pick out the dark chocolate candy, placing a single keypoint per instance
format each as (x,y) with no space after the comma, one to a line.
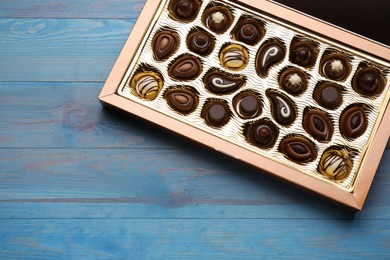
(335,164)
(303,53)
(218,19)
(298,149)
(335,67)
(165,43)
(216,113)
(353,122)
(185,68)
(185,10)
(282,107)
(262,133)
(201,42)
(247,104)
(248,30)
(182,100)
(328,95)
(293,81)
(368,82)
(318,124)
(220,82)
(270,54)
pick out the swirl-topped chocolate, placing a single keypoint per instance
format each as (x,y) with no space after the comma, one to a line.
(270,54)
(262,133)
(220,82)
(282,107)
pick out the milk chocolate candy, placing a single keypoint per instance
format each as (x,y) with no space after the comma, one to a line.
(293,81)
(165,43)
(182,100)
(328,95)
(186,67)
(303,52)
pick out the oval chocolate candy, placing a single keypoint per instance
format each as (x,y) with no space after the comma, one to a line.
(282,107)
(298,149)
(182,100)
(186,67)
(353,122)
(318,124)
(165,43)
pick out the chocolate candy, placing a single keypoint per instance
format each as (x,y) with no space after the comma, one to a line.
(282,107)
(293,81)
(234,57)
(262,133)
(182,100)
(220,82)
(248,30)
(303,52)
(146,85)
(247,104)
(218,19)
(328,95)
(185,10)
(335,67)
(200,42)
(165,43)
(353,121)
(335,164)
(298,149)
(368,82)
(318,124)
(270,54)
(216,113)
(186,67)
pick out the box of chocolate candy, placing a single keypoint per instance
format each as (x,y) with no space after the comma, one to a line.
(285,92)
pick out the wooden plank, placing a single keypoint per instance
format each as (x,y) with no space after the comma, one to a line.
(71,8)
(69,115)
(194,239)
(156,183)
(60,49)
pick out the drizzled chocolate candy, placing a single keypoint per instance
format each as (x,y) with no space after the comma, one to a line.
(282,107)
(146,85)
(220,82)
(270,54)
(335,164)
(234,57)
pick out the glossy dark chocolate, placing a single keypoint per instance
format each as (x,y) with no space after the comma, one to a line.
(247,105)
(368,82)
(318,124)
(328,95)
(201,42)
(185,10)
(182,100)
(262,133)
(248,30)
(298,149)
(220,82)
(185,68)
(335,67)
(282,107)
(303,53)
(270,54)
(165,44)
(216,113)
(293,81)
(353,122)
(218,19)
(335,164)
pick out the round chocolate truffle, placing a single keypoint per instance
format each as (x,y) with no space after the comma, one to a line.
(262,133)
(328,95)
(216,113)
(164,44)
(335,164)
(182,100)
(200,42)
(234,57)
(247,105)
(353,122)
(218,19)
(185,10)
(186,67)
(293,81)
(298,149)
(303,53)
(146,85)
(368,82)
(335,67)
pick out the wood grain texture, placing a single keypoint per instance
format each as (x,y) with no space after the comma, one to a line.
(80,182)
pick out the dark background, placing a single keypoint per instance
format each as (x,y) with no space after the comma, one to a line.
(368,18)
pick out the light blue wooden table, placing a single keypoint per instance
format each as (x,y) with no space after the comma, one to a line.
(80,182)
